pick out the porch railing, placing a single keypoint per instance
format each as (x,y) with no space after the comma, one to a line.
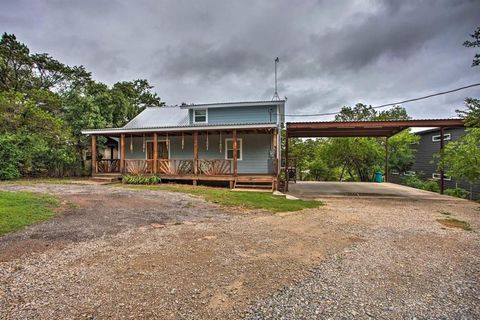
(138,166)
(175,166)
(212,167)
(107,166)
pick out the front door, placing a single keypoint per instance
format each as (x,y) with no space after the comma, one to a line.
(162,150)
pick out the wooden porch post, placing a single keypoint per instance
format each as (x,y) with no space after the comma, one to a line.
(235,156)
(286,160)
(155,152)
(386,159)
(195,152)
(442,172)
(122,153)
(275,151)
(94,154)
(275,159)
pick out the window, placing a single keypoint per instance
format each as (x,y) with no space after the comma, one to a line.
(409,173)
(200,116)
(446,137)
(437,176)
(393,171)
(229,149)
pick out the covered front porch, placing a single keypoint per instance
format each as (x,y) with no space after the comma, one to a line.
(237,156)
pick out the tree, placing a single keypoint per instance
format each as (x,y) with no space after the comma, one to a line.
(472,114)
(473,44)
(461,158)
(44,105)
(400,154)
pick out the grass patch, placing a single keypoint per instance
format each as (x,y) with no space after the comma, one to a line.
(455,223)
(20,209)
(250,200)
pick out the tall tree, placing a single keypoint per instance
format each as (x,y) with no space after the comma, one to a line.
(44,104)
(475,42)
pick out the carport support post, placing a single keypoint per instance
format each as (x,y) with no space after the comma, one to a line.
(442,172)
(94,154)
(386,159)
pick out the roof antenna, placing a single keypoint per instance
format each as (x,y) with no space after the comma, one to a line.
(275,95)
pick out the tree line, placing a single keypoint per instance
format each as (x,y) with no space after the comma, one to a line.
(45,103)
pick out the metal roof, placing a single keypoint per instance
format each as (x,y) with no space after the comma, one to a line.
(159,117)
(375,128)
(233,104)
(204,127)
(176,118)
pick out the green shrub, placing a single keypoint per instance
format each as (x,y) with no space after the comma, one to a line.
(415,182)
(457,192)
(431,185)
(9,157)
(140,179)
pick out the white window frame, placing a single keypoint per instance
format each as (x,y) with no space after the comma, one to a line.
(239,146)
(437,176)
(409,173)
(206,115)
(446,137)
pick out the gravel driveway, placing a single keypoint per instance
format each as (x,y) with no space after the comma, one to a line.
(118,253)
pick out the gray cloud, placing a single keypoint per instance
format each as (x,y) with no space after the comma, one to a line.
(332,53)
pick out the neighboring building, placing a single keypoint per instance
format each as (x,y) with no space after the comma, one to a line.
(425,166)
(197,142)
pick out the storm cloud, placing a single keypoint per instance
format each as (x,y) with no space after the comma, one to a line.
(332,53)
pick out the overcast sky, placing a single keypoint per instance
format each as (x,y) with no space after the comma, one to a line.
(332,53)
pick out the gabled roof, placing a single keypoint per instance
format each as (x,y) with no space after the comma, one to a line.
(159,117)
(176,118)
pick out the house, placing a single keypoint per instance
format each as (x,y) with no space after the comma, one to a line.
(234,142)
(425,165)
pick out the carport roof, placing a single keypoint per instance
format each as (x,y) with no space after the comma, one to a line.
(363,128)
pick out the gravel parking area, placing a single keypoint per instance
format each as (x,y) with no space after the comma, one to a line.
(407,267)
(118,253)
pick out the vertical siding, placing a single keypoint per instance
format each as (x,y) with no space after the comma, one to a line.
(256,150)
(233,115)
(425,165)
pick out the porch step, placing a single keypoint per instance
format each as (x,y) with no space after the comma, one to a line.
(106,177)
(264,184)
(254,179)
(254,186)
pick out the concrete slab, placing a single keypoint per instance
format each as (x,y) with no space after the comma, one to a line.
(309,189)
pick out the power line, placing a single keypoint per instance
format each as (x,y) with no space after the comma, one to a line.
(388,104)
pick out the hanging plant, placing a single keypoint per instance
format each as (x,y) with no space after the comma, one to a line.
(220,144)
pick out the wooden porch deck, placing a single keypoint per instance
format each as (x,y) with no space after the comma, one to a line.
(255,181)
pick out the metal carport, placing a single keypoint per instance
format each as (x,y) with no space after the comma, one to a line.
(381,128)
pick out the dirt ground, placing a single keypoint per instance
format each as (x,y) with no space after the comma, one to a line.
(118,253)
